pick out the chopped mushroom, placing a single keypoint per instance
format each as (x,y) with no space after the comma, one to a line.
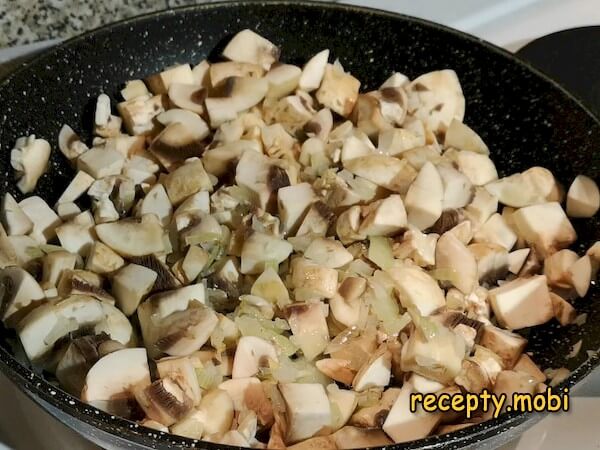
(402,425)
(545,226)
(308,410)
(249,47)
(29,158)
(424,198)
(110,382)
(299,257)
(583,198)
(338,90)
(14,220)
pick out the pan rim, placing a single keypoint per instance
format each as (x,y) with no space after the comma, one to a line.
(41,390)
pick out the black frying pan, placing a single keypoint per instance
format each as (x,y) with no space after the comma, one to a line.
(525,118)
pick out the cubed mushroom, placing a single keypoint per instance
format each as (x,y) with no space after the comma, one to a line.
(77,235)
(384,217)
(249,47)
(402,425)
(130,284)
(101,259)
(138,113)
(14,220)
(535,185)
(563,310)
(159,83)
(458,190)
(283,80)
(45,221)
(462,137)
(395,141)
(338,90)
(580,274)
(508,346)
(260,175)
(187,180)
(181,370)
(313,281)
(526,365)
(516,260)
(453,256)
(417,289)
(293,203)
(54,264)
(496,231)
(29,158)
(76,188)
(424,198)
(242,93)
(523,302)
(260,249)
(129,238)
(545,226)
(337,369)
(556,268)
(111,380)
(309,328)
(481,207)
(188,96)
(24,294)
(385,171)
(328,252)
(492,261)
(583,197)
(251,354)
(376,372)
(313,71)
(308,410)
(69,143)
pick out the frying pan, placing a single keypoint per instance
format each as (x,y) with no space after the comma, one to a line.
(524,117)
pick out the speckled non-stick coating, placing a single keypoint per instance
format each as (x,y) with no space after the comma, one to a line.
(524,118)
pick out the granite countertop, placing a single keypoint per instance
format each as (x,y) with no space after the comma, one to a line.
(27,21)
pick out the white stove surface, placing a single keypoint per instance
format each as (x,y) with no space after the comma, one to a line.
(507,23)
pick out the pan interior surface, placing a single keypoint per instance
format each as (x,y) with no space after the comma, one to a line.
(525,119)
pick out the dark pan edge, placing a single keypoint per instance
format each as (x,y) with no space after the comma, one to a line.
(37,386)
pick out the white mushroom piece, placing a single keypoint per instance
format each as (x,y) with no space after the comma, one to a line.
(29,158)
(437,99)
(583,197)
(110,382)
(70,144)
(249,47)
(521,303)
(535,185)
(309,328)
(44,326)
(21,294)
(14,220)
(545,226)
(307,408)
(424,198)
(338,90)
(402,425)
